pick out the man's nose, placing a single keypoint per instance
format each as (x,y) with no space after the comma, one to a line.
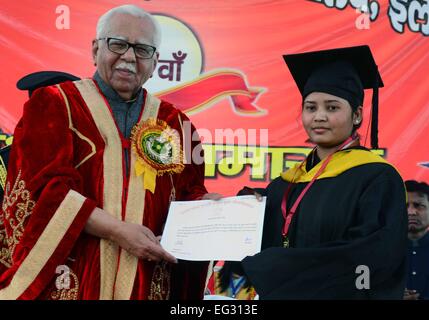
(411,210)
(129,55)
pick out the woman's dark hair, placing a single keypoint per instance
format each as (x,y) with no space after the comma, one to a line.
(225,274)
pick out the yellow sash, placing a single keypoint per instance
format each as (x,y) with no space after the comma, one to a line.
(341,161)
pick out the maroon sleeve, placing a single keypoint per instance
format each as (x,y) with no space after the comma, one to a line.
(43,210)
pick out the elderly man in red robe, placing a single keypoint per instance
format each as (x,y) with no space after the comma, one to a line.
(94,166)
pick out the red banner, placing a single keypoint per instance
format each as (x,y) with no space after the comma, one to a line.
(221,62)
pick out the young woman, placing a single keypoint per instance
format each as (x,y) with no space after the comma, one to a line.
(336,224)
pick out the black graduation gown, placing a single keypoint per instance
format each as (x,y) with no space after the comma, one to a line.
(356,218)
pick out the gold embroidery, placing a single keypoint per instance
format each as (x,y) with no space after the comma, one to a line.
(4,248)
(45,246)
(20,196)
(67,285)
(160,284)
(3,173)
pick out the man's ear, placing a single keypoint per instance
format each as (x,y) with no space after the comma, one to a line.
(94,51)
(155,61)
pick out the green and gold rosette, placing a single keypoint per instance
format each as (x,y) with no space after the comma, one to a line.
(157,147)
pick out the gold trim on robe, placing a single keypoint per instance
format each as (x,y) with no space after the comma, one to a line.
(113,179)
(134,213)
(116,278)
(45,246)
(78,133)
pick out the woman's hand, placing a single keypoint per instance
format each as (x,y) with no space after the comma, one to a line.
(249,191)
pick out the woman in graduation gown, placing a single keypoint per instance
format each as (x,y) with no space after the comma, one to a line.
(336,224)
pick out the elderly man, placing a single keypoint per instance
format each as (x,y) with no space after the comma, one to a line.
(418,235)
(93,168)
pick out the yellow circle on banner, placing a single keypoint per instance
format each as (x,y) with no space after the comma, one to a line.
(181,56)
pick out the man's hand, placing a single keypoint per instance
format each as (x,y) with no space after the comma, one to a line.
(136,239)
(141,242)
(411,295)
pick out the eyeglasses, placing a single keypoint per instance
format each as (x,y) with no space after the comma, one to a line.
(119,46)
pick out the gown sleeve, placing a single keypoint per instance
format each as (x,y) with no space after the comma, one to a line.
(43,210)
(377,239)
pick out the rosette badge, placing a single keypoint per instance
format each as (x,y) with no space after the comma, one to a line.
(157,150)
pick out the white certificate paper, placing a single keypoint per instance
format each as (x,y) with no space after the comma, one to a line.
(226,229)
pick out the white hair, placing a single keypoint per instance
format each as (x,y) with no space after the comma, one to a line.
(102,24)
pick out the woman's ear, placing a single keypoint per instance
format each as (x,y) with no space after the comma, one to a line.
(357,116)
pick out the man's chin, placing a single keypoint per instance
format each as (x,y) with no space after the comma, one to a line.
(416,229)
(125,91)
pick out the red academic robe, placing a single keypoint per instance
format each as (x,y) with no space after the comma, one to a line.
(67,158)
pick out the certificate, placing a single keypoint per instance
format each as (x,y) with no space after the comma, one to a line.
(225,229)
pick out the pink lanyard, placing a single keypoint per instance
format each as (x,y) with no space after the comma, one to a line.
(289,215)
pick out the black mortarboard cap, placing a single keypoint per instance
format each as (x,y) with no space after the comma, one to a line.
(40,79)
(343,72)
